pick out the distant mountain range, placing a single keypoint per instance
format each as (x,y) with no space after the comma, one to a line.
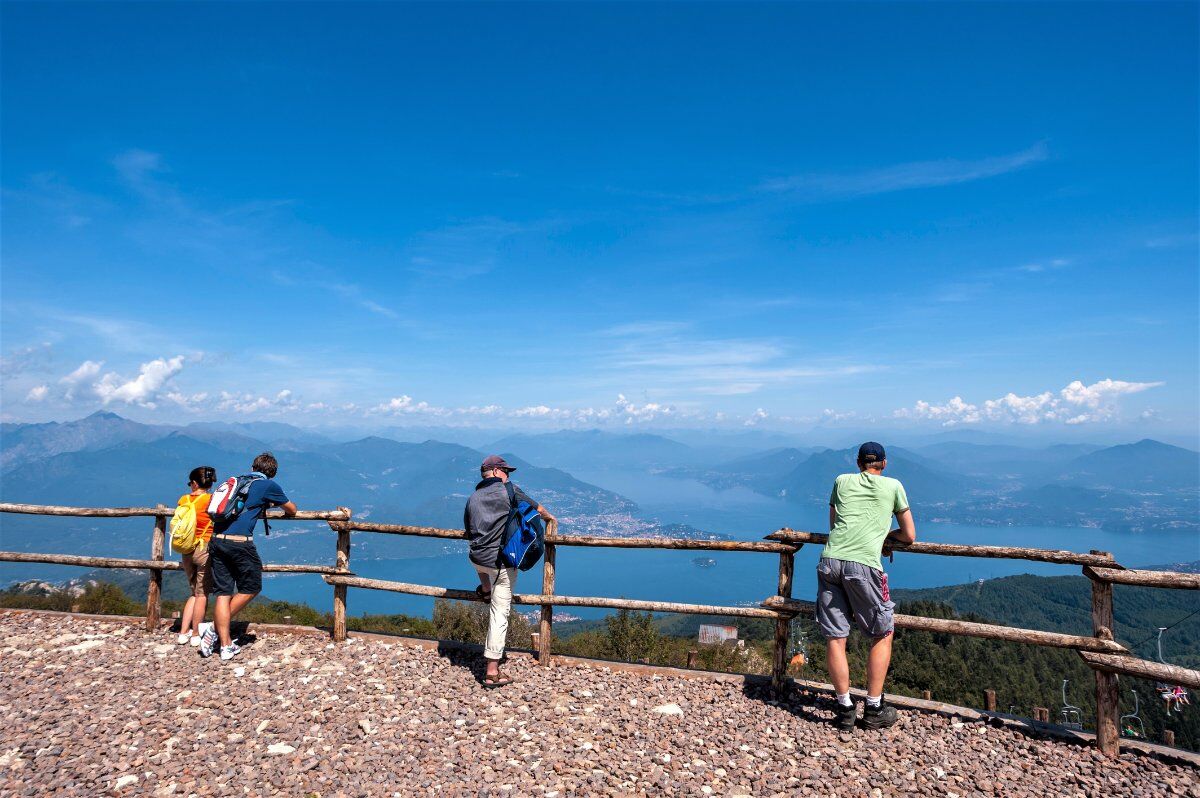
(105,459)
(1140,486)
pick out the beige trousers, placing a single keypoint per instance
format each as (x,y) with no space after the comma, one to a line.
(501,582)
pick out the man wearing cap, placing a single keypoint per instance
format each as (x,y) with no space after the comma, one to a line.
(484,520)
(851,582)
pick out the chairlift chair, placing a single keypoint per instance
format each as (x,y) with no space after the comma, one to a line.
(1174,695)
(1126,722)
(1071,716)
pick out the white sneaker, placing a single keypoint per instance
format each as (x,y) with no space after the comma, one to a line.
(195,641)
(184,638)
(208,639)
(230,651)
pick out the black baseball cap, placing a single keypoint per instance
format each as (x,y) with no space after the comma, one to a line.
(495,461)
(871,452)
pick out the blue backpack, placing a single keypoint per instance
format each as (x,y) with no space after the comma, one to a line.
(524,534)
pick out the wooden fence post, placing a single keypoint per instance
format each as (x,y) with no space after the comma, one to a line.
(547,620)
(926,695)
(989,700)
(787,561)
(154,588)
(342,563)
(1108,697)
(691,658)
(1169,738)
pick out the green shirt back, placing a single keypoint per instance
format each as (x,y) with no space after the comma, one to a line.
(865,504)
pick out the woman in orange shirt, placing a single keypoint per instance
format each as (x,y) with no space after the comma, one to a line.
(195,565)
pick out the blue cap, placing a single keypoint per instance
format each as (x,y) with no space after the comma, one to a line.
(871,452)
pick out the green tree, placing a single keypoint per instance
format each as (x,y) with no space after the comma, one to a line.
(632,636)
(468,623)
(106,599)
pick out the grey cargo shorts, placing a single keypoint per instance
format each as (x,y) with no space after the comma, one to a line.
(846,589)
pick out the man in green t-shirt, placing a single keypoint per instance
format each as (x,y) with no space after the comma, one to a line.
(851,582)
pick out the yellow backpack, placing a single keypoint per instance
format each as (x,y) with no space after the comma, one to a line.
(183,525)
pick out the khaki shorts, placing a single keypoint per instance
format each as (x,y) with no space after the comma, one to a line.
(199,576)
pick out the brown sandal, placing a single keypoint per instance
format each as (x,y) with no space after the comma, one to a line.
(499,680)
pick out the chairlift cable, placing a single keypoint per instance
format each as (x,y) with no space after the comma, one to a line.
(1163,628)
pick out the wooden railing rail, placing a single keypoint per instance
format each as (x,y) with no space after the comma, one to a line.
(1142,668)
(159,565)
(162,511)
(552,537)
(958,550)
(1103,654)
(1167,579)
(551,599)
(1012,634)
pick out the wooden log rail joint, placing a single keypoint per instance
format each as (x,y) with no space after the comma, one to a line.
(1104,655)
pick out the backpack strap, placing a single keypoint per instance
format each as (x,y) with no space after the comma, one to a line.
(512,495)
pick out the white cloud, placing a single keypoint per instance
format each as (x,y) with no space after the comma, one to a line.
(757,416)
(37,393)
(248,403)
(1075,404)
(833,416)
(404,405)
(86,371)
(142,389)
(193,403)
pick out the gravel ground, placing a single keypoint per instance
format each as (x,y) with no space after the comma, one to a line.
(100,708)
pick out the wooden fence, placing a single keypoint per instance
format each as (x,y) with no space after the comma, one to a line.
(1100,651)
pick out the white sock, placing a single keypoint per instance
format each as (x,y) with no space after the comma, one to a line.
(844,699)
(873,700)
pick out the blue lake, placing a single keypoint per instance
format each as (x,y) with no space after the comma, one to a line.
(735,578)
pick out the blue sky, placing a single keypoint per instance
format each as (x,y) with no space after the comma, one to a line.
(626,215)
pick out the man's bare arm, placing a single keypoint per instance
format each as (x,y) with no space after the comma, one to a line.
(832,517)
(289,508)
(907,533)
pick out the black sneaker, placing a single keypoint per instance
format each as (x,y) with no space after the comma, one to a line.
(844,717)
(880,717)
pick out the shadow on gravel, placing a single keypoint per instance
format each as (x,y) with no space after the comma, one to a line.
(799,701)
(465,656)
(237,630)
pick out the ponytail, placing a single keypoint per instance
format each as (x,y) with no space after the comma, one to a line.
(204,476)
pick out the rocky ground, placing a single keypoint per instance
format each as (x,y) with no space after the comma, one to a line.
(101,708)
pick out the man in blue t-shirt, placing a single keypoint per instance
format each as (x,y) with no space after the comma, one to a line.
(234,561)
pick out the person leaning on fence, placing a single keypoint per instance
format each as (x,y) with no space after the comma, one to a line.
(851,582)
(195,562)
(236,566)
(484,520)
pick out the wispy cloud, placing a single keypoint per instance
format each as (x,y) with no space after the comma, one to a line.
(463,250)
(905,176)
(665,354)
(1173,241)
(328,281)
(35,357)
